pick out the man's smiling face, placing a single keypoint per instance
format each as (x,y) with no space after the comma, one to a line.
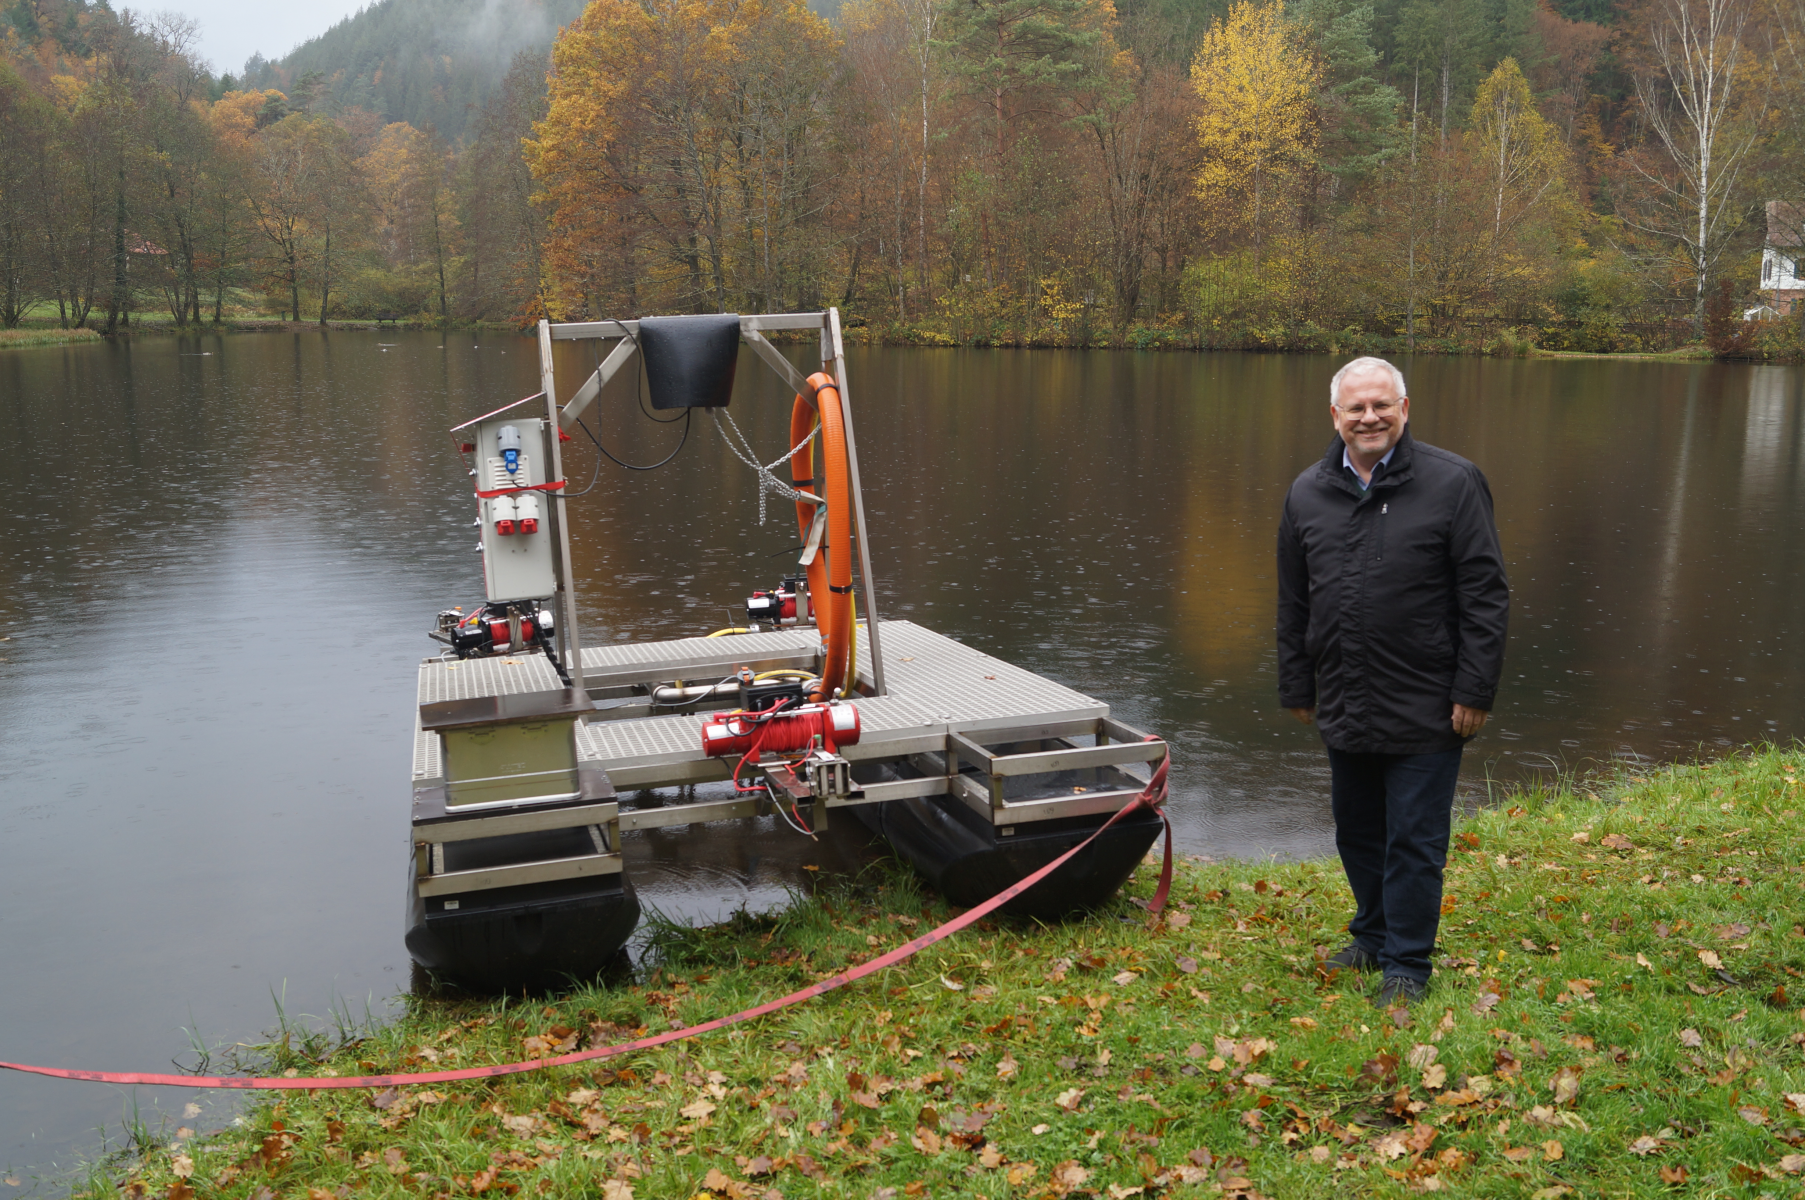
(1370,416)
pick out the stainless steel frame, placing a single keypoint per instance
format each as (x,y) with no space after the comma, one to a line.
(752,330)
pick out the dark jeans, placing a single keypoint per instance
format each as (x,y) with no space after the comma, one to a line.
(1392,814)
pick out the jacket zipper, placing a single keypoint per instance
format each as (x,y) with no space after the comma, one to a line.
(1383,509)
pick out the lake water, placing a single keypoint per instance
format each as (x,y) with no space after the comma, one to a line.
(222,555)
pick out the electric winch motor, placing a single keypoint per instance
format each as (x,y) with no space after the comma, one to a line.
(781,732)
(508,628)
(785,604)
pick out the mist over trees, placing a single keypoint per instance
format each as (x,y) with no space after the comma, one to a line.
(1436,173)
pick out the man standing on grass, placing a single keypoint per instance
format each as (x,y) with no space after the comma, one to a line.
(1391,622)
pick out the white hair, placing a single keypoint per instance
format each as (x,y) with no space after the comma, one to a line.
(1361,366)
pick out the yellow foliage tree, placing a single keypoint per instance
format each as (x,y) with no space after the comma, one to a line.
(1257,120)
(679,155)
(1523,157)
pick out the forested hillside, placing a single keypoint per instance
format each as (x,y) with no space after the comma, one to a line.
(1436,174)
(431,63)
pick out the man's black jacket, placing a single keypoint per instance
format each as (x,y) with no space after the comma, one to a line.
(1393,602)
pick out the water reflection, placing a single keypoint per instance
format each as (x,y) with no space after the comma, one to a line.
(224,552)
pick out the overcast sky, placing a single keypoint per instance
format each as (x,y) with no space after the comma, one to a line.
(233,30)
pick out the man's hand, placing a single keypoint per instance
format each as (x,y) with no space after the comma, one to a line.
(1469,721)
(1306,715)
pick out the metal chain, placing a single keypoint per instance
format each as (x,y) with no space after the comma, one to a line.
(768,484)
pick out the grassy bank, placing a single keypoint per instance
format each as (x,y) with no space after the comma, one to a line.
(1611,1017)
(18,339)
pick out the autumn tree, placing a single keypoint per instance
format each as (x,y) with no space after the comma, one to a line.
(680,154)
(1138,120)
(26,127)
(501,271)
(1522,158)
(1692,96)
(882,138)
(1257,120)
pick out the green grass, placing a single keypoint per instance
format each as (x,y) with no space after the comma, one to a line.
(1578,1040)
(14,339)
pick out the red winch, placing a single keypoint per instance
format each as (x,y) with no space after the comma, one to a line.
(780,732)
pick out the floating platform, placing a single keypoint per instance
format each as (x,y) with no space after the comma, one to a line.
(535,754)
(975,770)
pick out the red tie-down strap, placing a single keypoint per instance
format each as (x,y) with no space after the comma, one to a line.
(1153,796)
(525,487)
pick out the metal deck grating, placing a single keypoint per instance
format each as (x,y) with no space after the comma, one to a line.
(935,683)
(968,689)
(474,677)
(675,655)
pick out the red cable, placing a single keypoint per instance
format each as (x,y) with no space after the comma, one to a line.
(1153,796)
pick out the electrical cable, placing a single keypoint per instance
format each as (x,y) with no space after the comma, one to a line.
(777,805)
(594,478)
(682,704)
(631,466)
(556,665)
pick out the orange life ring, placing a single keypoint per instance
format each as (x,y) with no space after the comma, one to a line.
(829,582)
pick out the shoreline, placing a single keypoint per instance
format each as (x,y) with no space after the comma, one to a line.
(1609,1014)
(1340,344)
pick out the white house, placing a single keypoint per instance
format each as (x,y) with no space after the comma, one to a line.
(1783,257)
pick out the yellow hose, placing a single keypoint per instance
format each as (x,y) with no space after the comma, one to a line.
(736,629)
(852,647)
(785,673)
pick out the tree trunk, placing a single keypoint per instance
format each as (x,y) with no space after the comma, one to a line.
(116,305)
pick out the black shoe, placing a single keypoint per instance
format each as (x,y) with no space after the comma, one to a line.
(1399,990)
(1351,957)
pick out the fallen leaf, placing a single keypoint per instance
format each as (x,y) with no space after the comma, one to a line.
(1616,841)
(1519,1154)
(1124,978)
(1421,1055)
(1037,1131)
(1642,961)
(1553,1151)
(1645,1145)
(1007,1067)
(1392,1145)
(1691,1037)
(1710,959)
(1552,1193)
(1753,1115)
(1584,835)
(1792,1164)
(714,1181)
(1435,1076)
(616,1189)
(990,1158)
(1304,1023)
(1069,1099)
(924,1140)
(951,985)
(181,1166)
(1674,1175)
(1565,1085)
(696,1110)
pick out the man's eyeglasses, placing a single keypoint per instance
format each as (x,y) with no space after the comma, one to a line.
(1381,410)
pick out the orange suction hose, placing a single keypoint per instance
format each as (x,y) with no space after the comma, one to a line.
(829,582)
